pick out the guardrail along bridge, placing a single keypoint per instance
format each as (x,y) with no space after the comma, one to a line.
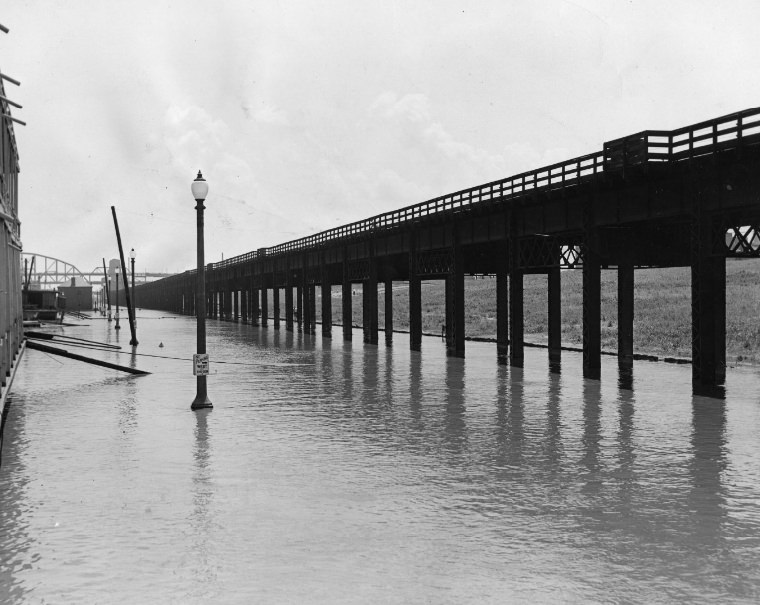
(688,197)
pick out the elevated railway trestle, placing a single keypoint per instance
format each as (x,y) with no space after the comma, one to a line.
(688,197)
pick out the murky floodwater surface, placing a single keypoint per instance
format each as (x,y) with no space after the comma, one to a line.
(332,472)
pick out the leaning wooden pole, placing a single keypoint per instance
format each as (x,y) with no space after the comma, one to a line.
(130,310)
(107,288)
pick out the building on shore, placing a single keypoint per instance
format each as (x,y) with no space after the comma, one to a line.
(78,295)
(11,310)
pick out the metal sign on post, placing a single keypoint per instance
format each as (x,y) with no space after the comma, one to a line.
(200,364)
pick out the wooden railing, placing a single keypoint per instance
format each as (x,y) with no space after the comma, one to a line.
(705,138)
(649,146)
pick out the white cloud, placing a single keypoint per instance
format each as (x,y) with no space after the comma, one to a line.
(410,107)
(267,114)
(301,115)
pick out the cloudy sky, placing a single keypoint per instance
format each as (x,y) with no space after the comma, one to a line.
(307,115)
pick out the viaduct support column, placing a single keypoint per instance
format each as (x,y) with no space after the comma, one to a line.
(516,311)
(369,306)
(276,306)
(388,311)
(415,301)
(244,296)
(347,311)
(502,307)
(326,302)
(310,295)
(288,303)
(625,314)
(299,307)
(592,307)
(227,303)
(264,305)
(254,306)
(235,304)
(554,279)
(708,305)
(455,331)
(305,305)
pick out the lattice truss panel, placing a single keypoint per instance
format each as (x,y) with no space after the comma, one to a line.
(48,273)
(571,257)
(743,241)
(358,270)
(549,252)
(436,262)
(313,275)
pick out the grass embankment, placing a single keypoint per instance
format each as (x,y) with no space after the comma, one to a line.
(662,310)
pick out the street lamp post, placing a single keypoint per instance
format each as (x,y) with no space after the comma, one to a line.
(108,295)
(116,273)
(133,340)
(199,188)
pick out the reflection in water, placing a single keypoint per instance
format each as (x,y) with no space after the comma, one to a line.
(415,389)
(455,425)
(389,379)
(555,366)
(510,419)
(712,391)
(553,433)
(592,412)
(17,546)
(626,457)
(370,393)
(706,497)
(345,469)
(347,367)
(625,378)
(202,565)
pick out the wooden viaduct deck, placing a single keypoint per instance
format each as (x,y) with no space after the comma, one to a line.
(688,197)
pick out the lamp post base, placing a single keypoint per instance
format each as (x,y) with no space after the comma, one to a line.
(201,402)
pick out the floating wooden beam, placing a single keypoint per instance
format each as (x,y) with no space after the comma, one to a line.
(30,344)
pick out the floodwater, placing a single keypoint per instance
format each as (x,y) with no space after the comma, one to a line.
(332,472)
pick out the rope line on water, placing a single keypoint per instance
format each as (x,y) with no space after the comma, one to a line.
(237,363)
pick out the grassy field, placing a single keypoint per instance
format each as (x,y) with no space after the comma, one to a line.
(662,309)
